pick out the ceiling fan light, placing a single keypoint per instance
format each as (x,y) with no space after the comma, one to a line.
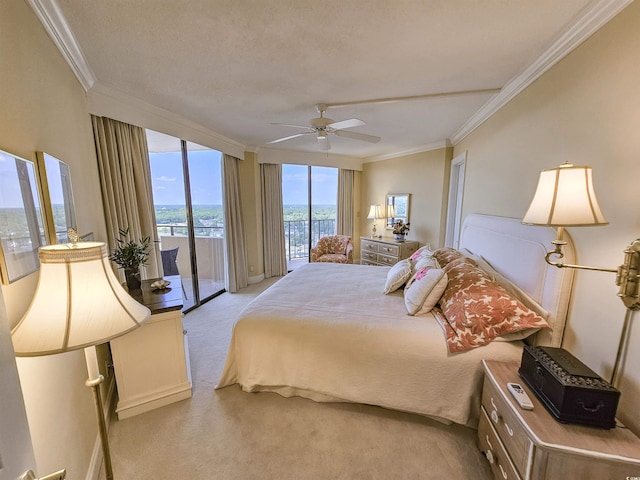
(322,135)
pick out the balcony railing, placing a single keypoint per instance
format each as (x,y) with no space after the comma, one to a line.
(296,234)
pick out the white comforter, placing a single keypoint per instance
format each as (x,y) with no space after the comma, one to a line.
(327,332)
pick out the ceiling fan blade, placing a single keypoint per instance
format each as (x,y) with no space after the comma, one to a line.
(306,127)
(352,122)
(323,142)
(290,137)
(358,136)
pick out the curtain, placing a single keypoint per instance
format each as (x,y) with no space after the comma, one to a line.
(235,250)
(125,181)
(345,202)
(275,258)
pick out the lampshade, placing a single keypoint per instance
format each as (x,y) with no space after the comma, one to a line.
(391,211)
(565,197)
(78,302)
(375,211)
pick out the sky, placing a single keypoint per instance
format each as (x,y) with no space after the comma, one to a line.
(206,182)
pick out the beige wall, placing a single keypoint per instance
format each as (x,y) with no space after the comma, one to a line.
(585,110)
(44,108)
(425,176)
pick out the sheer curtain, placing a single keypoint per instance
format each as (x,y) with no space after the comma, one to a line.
(125,180)
(235,250)
(345,202)
(275,261)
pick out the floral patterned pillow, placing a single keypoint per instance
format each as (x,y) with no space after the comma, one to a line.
(446,255)
(478,309)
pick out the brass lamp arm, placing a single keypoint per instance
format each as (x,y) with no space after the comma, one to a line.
(627,274)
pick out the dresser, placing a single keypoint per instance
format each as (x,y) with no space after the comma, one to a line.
(530,444)
(384,251)
(151,363)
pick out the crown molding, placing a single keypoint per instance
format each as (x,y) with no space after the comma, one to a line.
(56,26)
(424,148)
(590,20)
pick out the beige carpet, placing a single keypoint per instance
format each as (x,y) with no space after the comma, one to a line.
(230,434)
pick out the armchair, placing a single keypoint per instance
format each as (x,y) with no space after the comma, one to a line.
(334,249)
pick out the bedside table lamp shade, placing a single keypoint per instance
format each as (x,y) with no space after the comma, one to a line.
(375,212)
(79,303)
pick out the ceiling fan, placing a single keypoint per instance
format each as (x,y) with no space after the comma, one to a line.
(322,126)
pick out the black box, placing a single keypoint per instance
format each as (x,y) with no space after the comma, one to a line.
(571,391)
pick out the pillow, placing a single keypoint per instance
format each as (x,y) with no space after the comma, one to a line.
(478,309)
(398,276)
(446,255)
(425,261)
(422,251)
(424,290)
(341,243)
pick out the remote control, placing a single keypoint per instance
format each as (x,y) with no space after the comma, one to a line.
(520,395)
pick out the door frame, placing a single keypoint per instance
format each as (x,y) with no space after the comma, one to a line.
(454,205)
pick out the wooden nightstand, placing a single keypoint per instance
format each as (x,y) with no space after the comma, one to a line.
(381,251)
(151,363)
(531,444)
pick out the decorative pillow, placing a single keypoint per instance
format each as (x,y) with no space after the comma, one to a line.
(398,276)
(425,261)
(478,310)
(422,251)
(424,290)
(341,243)
(446,255)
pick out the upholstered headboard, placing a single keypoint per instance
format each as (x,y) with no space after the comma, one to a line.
(517,251)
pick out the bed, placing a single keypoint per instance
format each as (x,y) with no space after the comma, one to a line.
(327,332)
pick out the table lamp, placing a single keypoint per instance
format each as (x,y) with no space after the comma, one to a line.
(375,212)
(79,303)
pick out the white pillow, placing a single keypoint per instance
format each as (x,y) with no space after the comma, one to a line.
(425,261)
(398,276)
(424,290)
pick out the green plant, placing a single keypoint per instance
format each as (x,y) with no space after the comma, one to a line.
(130,254)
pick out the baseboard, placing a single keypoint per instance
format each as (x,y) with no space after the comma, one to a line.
(256,279)
(93,472)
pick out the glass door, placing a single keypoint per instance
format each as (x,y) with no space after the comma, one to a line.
(309,197)
(186,180)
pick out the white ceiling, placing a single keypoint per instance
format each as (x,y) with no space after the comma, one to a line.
(235,66)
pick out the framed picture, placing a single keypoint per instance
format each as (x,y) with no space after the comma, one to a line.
(57,206)
(21,221)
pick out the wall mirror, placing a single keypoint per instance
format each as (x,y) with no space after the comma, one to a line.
(58,207)
(21,222)
(397,208)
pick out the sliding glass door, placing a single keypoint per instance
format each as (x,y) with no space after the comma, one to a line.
(309,197)
(187,191)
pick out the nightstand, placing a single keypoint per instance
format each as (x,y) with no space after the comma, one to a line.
(531,444)
(381,251)
(151,363)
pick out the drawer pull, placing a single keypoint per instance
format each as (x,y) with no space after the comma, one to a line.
(495,417)
(489,443)
(504,474)
(493,404)
(490,457)
(509,431)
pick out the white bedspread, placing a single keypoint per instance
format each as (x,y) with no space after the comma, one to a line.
(328,332)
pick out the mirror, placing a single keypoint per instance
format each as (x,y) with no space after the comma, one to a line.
(397,208)
(58,208)
(21,224)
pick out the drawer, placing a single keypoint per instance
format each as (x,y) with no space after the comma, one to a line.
(367,255)
(392,250)
(368,245)
(387,259)
(367,262)
(507,426)
(492,448)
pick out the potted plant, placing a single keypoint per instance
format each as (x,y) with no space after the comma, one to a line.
(400,229)
(130,256)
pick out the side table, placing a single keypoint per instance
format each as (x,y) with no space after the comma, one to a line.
(151,363)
